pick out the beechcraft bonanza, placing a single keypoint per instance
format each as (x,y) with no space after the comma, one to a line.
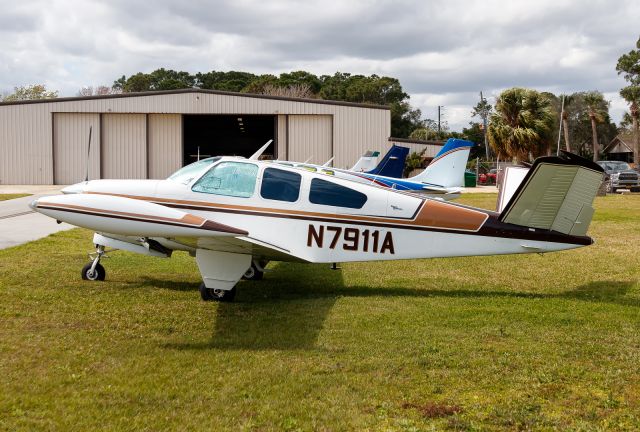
(443,178)
(235,215)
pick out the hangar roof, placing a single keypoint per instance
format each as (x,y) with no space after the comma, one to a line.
(197,90)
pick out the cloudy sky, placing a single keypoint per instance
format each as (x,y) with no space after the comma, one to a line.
(443,52)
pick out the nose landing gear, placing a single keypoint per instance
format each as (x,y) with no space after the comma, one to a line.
(94,271)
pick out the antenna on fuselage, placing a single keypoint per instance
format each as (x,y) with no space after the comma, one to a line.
(308,159)
(326,164)
(86,177)
(261,150)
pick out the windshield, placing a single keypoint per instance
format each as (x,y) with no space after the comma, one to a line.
(185,174)
(614,166)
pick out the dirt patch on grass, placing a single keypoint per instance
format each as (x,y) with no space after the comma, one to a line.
(433,409)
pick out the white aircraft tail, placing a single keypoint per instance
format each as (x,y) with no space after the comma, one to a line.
(556,194)
(447,168)
(367,162)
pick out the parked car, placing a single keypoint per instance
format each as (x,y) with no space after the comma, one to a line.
(488,178)
(619,175)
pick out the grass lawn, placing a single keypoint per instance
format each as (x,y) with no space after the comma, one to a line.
(523,342)
(5,197)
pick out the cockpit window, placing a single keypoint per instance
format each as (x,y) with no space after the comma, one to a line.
(185,174)
(237,179)
(280,185)
(329,193)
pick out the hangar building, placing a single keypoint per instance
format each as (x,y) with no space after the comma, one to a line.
(152,134)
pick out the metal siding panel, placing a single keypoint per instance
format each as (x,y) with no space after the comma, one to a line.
(71,134)
(310,136)
(282,137)
(124,146)
(26,145)
(165,144)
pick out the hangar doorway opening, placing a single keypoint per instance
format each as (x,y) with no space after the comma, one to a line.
(227,135)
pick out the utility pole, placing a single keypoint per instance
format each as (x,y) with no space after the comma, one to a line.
(439,107)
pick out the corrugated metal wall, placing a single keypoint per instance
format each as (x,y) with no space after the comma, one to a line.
(26,144)
(124,146)
(70,141)
(165,144)
(310,136)
(26,131)
(281,131)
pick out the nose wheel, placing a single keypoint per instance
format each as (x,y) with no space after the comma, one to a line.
(212,294)
(94,271)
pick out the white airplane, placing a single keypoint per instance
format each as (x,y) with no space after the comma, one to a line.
(235,214)
(443,177)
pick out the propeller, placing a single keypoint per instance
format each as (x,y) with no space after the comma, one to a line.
(261,150)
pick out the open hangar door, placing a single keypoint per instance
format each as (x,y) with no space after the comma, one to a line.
(227,135)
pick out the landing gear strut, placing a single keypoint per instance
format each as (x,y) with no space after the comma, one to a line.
(94,271)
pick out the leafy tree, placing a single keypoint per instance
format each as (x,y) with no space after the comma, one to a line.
(258,85)
(475,134)
(579,127)
(301,78)
(521,125)
(159,79)
(232,81)
(482,110)
(629,66)
(31,92)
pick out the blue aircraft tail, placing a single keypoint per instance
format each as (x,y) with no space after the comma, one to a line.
(392,164)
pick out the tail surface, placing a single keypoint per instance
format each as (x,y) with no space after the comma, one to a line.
(392,164)
(366,162)
(447,168)
(556,194)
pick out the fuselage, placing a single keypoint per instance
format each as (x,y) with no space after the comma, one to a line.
(317,217)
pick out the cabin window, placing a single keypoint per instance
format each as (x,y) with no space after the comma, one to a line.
(328,193)
(280,185)
(235,179)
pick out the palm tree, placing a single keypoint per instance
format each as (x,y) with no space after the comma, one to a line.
(521,126)
(598,108)
(565,120)
(632,95)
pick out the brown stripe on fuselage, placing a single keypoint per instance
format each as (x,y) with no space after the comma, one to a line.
(430,213)
(439,214)
(188,220)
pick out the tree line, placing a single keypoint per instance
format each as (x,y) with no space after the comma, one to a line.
(371,89)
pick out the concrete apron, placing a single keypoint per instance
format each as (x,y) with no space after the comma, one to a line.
(19,224)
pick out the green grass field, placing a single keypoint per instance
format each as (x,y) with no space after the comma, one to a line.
(5,197)
(496,343)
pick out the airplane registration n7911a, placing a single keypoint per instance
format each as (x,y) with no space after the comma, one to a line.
(235,215)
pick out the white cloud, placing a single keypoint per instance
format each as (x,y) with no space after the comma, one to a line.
(443,53)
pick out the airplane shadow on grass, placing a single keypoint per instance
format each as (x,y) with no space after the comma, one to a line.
(288,309)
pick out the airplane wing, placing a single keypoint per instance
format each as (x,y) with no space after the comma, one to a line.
(153,229)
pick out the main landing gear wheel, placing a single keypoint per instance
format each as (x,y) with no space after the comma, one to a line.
(94,271)
(253,273)
(97,274)
(211,294)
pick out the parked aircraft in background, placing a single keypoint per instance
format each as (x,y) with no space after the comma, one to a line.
(235,214)
(443,177)
(391,165)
